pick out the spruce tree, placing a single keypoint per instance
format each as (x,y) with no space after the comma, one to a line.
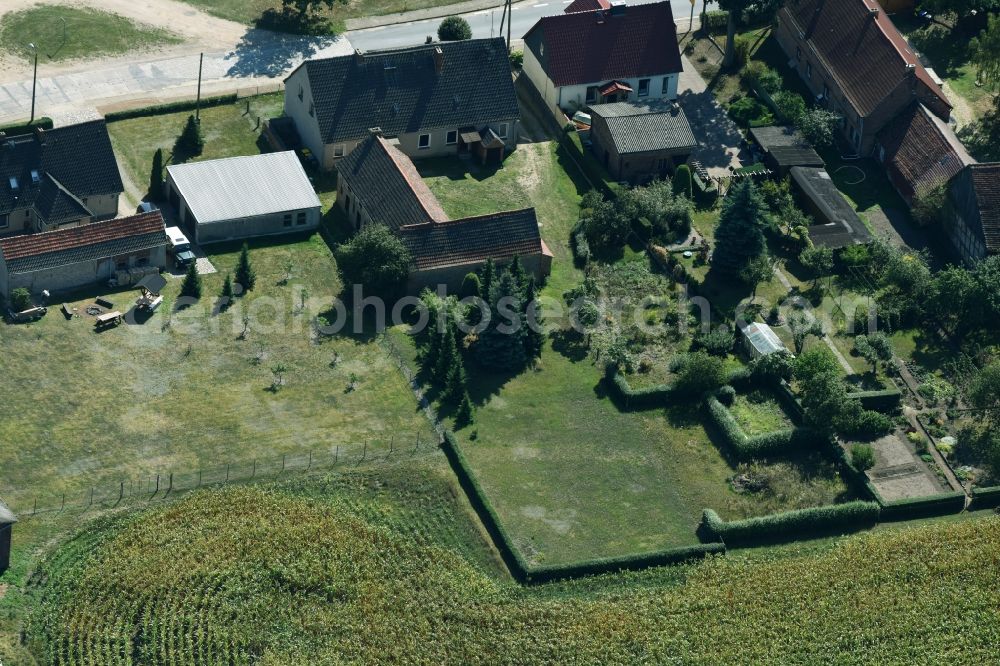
(464,415)
(191,287)
(517,273)
(246,277)
(455,383)
(156,176)
(432,352)
(534,337)
(192,140)
(447,358)
(501,345)
(226,296)
(739,238)
(488,281)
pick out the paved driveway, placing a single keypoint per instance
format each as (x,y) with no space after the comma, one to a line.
(718,136)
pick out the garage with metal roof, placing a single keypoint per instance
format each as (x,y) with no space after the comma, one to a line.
(641,141)
(243,197)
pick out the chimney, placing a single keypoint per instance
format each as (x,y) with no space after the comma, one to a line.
(430,39)
(375,131)
(438,59)
(911,69)
(359,56)
(873,11)
(39,134)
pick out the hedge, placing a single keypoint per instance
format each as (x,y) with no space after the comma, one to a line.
(714,21)
(17,129)
(653,396)
(924,507)
(779,442)
(879,401)
(854,475)
(789,401)
(170,107)
(791,525)
(524,573)
(630,563)
(985,498)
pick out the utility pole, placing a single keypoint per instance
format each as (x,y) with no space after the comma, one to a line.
(691,25)
(510,15)
(197,103)
(34,82)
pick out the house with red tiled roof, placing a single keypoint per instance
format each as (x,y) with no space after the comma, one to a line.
(617,54)
(378,184)
(586,6)
(920,152)
(972,212)
(74,257)
(857,64)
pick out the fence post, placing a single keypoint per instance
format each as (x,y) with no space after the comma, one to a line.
(227,472)
(91,497)
(157,485)
(282,462)
(34,507)
(121,493)
(253,473)
(391,440)
(309,466)
(171,482)
(63,503)
(199,478)
(336,455)
(364,451)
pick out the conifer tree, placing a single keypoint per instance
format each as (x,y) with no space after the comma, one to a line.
(534,337)
(156,176)
(501,345)
(192,141)
(739,238)
(455,383)
(488,281)
(246,277)
(447,358)
(517,273)
(191,287)
(432,352)
(464,416)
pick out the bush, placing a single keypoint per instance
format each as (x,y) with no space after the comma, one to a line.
(747,110)
(170,107)
(517,62)
(880,401)
(758,75)
(20,299)
(792,524)
(742,49)
(715,21)
(862,456)
(726,395)
(698,374)
(866,424)
(581,248)
(653,396)
(681,182)
(453,29)
(717,343)
(788,105)
(376,259)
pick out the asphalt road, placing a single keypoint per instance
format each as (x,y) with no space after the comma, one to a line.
(484,23)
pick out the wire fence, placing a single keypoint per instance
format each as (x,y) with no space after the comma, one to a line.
(161,486)
(411,377)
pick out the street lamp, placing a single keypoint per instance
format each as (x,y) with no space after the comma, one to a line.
(34,82)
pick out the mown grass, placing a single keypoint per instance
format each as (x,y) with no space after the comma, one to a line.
(228,130)
(65,33)
(346,577)
(759,413)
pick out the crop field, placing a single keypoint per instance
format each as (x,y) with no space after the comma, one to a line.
(183,390)
(338,571)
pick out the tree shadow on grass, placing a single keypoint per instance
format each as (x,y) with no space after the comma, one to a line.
(456,169)
(484,384)
(573,170)
(570,343)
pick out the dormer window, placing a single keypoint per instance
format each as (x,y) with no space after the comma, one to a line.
(35,177)
(14,185)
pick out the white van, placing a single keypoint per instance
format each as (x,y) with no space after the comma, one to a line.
(180,247)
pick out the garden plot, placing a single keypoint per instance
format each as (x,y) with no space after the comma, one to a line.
(900,472)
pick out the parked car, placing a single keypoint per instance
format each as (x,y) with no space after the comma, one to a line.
(180,247)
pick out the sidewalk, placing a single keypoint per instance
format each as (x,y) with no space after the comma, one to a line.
(467,7)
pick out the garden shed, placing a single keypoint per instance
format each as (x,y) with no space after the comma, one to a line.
(243,197)
(783,148)
(7,521)
(837,224)
(640,141)
(761,340)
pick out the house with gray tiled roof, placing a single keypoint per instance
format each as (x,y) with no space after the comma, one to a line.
(74,257)
(378,184)
(435,99)
(56,178)
(640,141)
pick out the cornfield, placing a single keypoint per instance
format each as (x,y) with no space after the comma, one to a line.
(371,570)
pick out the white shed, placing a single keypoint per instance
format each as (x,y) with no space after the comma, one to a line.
(761,340)
(243,197)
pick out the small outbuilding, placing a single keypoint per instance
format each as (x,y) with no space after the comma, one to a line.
(837,224)
(7,520)
(243,197)
(760,340)
(124,250)
(640,141)
(784,147)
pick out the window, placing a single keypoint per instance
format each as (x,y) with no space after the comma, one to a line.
(591,94)
(424,141)
(451,138)
(300,219)
(809,70)
(288,220)
(312,109)
(643,87)
(338,150)
(666,85)
(502,131)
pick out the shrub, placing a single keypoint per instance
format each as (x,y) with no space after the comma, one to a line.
(714,21)
(20,299)
(698,374)
(471,285)
(746,110)
(788,105)
(517,62)
(742,49)
(682,181)
(792,524)
(726,395)
(757,74)
(375,258)
(862,456)
(454,28)
(581,248)
(718,342)
(865,424)
(191,287)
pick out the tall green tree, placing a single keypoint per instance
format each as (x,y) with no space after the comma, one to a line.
(501,345)
(985,51)
(246,276)
(489,280)
(874,348)
(455,384)
(517,273)
(802,326)
(447,358)
(758,271)
(376,259)
(984,393)
(454,28)
(739,238)
(191,141)
(465,415)
(191,287)
(534,335)
(156,176)
(818,260)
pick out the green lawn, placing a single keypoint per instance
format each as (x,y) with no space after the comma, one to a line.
(65,33)
(759,413)
(228,130)
(180,391)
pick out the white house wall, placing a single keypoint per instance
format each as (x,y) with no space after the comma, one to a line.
(574,97)
(298,109)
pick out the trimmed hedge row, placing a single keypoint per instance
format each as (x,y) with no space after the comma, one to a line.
(854,475)
(779,442)
(170,107)
(524,573)
(879,401)
(789,401)
(646,398)
(985,498)
(923,507)
(791,525)
(17,129)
